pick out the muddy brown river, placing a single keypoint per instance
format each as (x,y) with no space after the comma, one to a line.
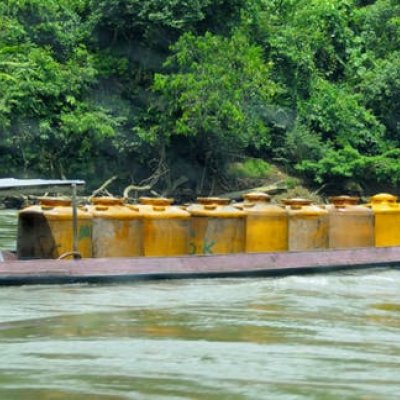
(333,336)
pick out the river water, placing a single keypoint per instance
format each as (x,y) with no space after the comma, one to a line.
(334,336)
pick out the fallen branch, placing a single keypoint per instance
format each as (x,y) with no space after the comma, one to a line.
(136,188)
(277,187)
(102,188)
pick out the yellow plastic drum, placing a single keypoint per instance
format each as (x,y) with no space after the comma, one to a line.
(266,224)
(387,219)
(117,228)
(308,225)
(46,231)
(166,227)
(217,227)
(350,224)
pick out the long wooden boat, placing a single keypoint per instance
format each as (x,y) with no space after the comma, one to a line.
(106,270)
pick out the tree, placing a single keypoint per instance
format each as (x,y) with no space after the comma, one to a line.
(214,94)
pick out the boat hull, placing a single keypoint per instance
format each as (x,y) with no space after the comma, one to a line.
(112,270)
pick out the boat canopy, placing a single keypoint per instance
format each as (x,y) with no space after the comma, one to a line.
(11,185)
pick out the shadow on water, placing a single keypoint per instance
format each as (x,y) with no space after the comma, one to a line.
(152,324)
(127,387)
(56,394)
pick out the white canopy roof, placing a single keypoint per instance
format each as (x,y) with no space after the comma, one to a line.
(11,185)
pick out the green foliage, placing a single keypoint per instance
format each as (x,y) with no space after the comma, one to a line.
(380,88)
(378,26)
(340,118)
(301,143)
(304,39)
(40,83)
(56,24)
(158,23)
(292,183)
(96,88)
(214,94)
(251,168)
(338,166)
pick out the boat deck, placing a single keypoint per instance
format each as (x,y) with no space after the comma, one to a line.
(109,270)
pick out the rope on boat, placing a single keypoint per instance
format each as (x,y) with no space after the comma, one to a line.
(75,254)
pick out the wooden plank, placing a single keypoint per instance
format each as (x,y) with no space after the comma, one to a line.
(274,188)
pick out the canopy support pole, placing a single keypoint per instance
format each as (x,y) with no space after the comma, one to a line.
(74,223)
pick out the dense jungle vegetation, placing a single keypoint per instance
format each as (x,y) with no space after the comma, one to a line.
(172,92)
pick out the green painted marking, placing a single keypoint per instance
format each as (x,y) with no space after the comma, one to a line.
(192,248)
(85,231)
(207,247)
